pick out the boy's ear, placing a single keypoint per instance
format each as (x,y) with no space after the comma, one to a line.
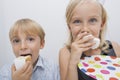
(42,43)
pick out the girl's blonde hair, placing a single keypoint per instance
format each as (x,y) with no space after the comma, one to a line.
(28,26)
(69,13)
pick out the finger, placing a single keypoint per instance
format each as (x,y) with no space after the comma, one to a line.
(13,69)
(86,39)
(24,68)
(29,69)
(80,36)
(85,49)
(85,45)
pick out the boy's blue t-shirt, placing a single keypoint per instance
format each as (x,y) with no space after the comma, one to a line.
(44,70)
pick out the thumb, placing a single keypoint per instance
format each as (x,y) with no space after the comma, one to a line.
(13,68)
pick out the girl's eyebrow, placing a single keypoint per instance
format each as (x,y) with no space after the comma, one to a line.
(75,17)
(95,16)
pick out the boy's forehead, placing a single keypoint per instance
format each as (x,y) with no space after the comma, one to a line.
(23,32)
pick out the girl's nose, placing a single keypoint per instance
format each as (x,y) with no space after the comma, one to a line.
(85,30)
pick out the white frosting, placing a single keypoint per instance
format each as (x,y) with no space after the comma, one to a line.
(96,40)
(19,62)
(87,36)
(97,43)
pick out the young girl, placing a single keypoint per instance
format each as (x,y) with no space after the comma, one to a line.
(27,38)
(84,17)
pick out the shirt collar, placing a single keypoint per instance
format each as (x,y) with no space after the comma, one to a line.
(40,63)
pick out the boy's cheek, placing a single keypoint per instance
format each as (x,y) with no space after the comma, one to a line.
(16,54)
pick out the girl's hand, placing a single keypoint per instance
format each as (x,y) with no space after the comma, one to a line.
(80,45)
(23,73)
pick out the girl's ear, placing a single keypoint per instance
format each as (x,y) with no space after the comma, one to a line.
(42,43)
(102,25)
(69,27)
(104,22)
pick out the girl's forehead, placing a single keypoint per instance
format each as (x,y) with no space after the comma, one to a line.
(88,6)
(90,2)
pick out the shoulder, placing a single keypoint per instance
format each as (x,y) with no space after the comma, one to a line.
(5,68)
(51,68)
(50,65)
(116,48)
(47,62)
(64,55)
(45,69)
(64,52)
(5,71)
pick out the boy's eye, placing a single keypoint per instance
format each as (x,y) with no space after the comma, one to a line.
(30,39)
(16,41)
(92,20)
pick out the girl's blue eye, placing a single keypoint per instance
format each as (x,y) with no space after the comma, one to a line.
(76,21)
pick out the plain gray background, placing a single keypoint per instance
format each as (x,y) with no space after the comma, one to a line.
(51,15)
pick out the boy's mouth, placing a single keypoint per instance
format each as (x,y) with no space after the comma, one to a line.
(26,54)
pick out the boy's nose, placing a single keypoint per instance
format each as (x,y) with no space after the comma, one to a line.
(23,45)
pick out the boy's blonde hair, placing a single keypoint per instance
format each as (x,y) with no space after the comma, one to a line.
(28,26)
(69,13)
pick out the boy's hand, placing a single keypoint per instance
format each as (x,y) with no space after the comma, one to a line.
(23,73)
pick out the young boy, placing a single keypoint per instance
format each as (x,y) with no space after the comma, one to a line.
(27,38)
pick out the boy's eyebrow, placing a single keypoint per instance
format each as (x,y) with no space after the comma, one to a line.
(13,37)
(32,35)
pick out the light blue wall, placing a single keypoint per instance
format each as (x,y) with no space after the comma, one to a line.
(51,15)
(112,7)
